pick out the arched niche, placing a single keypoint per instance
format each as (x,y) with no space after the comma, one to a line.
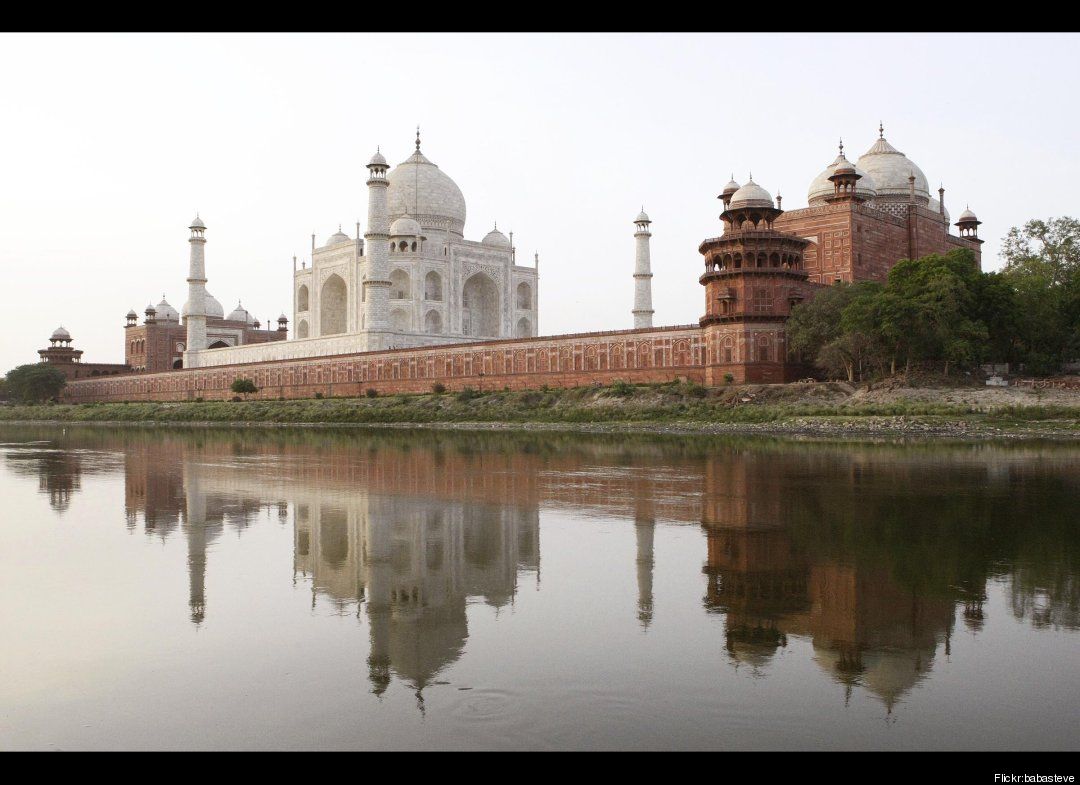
(480,307)
(333,306)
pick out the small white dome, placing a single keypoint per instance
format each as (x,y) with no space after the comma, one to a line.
(131,314)
(240,314)
(967,216)
(210,303)
(822,186)
(283,318)
(934,206)
(405,226)
(60,334)
(196,223)
(337,238)
(730,188)
(751,195)
(166,313)
(496,238)
(377,159)
(642,218)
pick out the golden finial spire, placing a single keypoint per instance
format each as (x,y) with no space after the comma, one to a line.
(417,138)
(881,130)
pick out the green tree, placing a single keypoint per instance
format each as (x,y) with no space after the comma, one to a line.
(34,383)
(930,310)
(243,387)
(1042,262)
(816,323)
(997,307)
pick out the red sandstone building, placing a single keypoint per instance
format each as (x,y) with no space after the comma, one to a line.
(861,219)
(158,343)
(62,355)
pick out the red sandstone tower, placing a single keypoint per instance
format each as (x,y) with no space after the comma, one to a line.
(753,276)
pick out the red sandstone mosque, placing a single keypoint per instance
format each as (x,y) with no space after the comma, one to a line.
(413,303)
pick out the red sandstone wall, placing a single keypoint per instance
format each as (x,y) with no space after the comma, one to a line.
(654,355)
(859,243)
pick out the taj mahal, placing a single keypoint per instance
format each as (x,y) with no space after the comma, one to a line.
(411,280)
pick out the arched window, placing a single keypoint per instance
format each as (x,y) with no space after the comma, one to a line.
(302,298)
(433,286)
(524,296)
(433,322)
(523,328)
(402,245)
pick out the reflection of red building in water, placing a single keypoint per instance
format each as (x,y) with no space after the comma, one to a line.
(866,628)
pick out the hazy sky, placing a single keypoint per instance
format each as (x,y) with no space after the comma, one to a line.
(110,144)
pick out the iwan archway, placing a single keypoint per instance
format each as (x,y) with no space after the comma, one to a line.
(480,307)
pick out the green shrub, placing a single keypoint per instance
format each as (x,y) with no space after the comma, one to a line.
(243,386)
(622,388)
(467,395)
(438,388)
(695,390)
(371,392)
(318,395)
(729,378)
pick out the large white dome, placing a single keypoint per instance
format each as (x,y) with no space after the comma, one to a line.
(420,189)
(890,170)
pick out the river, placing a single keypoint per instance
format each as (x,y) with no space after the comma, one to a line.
(167,588)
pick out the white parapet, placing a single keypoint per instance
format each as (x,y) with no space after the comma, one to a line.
(310,348)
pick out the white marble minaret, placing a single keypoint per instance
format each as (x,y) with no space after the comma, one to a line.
(643,310)
(376,244)
(196,310)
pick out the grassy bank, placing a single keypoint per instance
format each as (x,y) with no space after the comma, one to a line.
(620,403)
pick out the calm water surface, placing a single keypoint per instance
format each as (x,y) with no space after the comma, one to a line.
(162,588)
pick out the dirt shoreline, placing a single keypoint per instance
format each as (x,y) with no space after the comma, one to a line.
(857,428)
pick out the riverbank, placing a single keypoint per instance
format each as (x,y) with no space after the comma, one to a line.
(826,409)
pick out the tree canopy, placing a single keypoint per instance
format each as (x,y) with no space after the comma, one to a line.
(941,309)
(34,383)
(1042,265)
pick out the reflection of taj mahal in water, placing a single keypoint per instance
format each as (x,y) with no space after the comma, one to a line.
(410,537)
